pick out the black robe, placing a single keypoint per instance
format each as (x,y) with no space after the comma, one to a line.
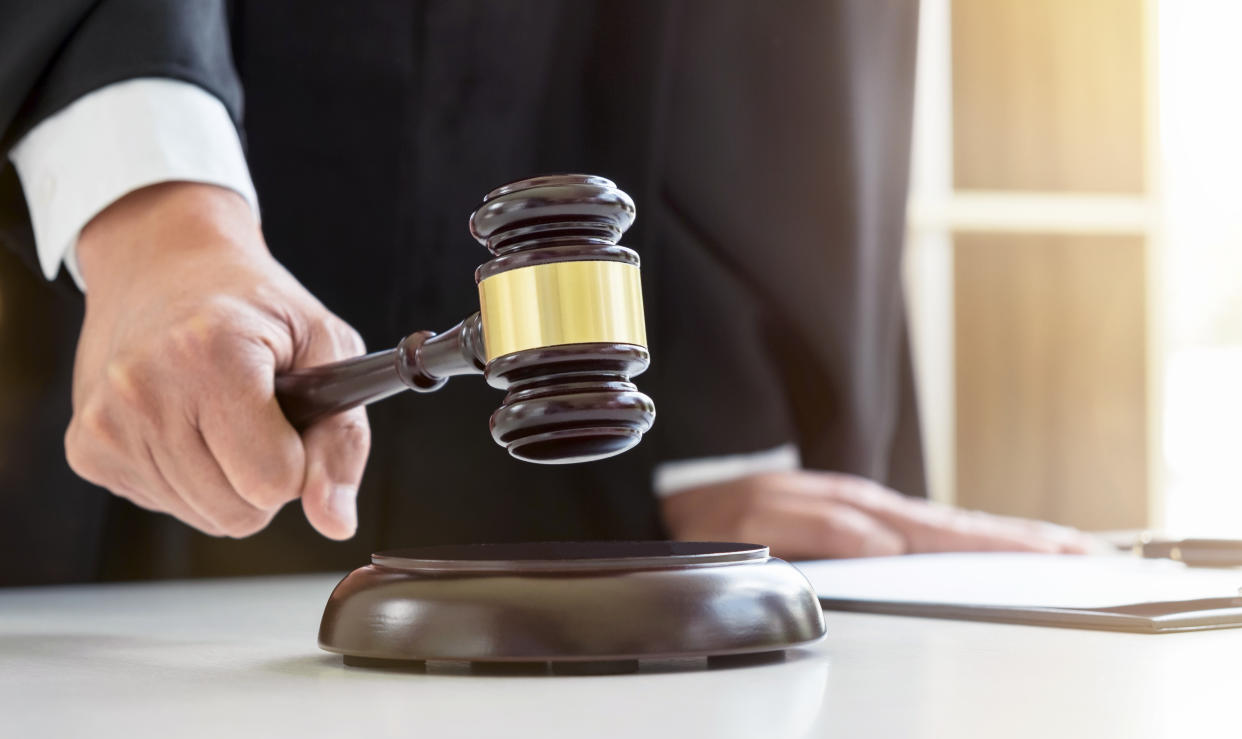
(765,144)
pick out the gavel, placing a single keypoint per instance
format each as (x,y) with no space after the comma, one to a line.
(559,328)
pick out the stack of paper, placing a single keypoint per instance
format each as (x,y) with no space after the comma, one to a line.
(1102,592)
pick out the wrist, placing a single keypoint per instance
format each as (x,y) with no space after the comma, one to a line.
(169,220)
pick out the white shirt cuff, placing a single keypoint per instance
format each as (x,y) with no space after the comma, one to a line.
(673,477)
(113,141)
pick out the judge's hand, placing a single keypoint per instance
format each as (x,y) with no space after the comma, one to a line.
(818,515)
(188,319)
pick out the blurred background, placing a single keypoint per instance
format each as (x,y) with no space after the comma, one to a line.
(1074,259)
(1074,266)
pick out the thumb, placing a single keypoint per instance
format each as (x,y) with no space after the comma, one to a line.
(336,453)
(336,447)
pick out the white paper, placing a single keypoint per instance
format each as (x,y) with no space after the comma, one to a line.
(1009,579)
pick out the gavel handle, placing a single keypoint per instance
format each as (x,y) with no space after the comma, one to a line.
(423,362)
(311,394)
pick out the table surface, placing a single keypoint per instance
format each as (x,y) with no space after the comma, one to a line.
(238,658)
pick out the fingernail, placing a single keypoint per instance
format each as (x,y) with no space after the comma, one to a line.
(342,503)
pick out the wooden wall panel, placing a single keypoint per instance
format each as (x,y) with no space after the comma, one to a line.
(1048,95)
(1051,386)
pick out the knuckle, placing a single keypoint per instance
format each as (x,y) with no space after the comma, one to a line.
(83,464)
(335,333)
(353,436)
(96,428)
(127,381)
(197,334)
(189,338)
(327,329)
(207,329)
(272,491)
(827,528)
(349,339)
(123,394)
(91,423)
(323,327)
(241,522)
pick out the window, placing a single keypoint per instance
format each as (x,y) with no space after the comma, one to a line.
(1074,261)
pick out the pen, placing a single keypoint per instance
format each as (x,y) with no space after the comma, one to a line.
(1193,552)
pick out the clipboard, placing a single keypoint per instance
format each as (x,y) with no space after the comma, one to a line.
(1110,593)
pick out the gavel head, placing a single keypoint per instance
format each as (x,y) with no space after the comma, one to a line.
(562,319)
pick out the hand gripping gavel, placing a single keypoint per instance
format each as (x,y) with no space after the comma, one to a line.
(559,326)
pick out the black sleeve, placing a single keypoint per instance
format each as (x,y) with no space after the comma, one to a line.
(55,51)
(784,160)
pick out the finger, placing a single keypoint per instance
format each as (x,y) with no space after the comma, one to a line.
(797,526)
(1067,539)
(967,531)
(336,447)
(143,486)
(336,453)
(934,528)
(95,458)
(190,469)
(859,492)
(1000,532)
(162,499)
(248,437)
(928,527)
(164,438)
(829,530)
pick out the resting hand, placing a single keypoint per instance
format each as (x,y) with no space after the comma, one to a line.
(816,515)
(188,320)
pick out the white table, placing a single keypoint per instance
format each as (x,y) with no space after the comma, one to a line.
(235,658)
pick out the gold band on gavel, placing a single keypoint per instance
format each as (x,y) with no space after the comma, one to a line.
(561,303)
